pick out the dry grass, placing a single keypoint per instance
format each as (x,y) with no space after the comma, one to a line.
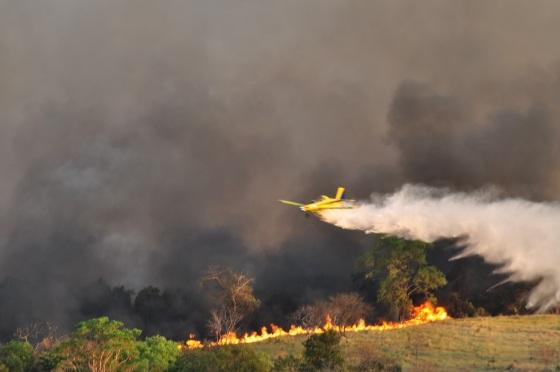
(527,343)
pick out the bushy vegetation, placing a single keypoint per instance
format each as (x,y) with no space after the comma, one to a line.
(323,352)
(223,359)
(16,356)
(102,344)
(399,270)
(157,353)
(95,345)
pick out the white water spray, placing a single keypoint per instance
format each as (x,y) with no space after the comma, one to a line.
(522,236)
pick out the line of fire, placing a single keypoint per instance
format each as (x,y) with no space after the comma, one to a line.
(425,313)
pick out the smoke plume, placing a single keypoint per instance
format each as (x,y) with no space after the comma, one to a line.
(521,236)
(142,141)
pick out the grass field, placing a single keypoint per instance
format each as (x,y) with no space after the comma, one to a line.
(528,343)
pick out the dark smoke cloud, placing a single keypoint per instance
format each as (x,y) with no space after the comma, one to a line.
(141,141)
(441,143)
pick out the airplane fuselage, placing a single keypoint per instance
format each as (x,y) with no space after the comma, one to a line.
(318,206)
(326,202)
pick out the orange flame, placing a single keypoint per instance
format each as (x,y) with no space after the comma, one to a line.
(424,313)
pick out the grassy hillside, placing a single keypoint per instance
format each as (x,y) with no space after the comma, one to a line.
(486,343)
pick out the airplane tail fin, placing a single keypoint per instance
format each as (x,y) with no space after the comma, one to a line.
(340,193)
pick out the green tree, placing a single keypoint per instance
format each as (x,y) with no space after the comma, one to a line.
(99,345)
(323,352)
(400,270)
(17,356)
(157,354)
(223,359)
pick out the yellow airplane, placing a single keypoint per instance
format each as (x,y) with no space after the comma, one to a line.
(326,202)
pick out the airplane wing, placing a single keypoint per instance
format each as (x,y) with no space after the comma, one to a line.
(291,203)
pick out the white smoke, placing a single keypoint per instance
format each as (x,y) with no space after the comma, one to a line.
(522,236)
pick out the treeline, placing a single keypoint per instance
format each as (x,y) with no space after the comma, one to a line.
(106,345)
(388,279)
(172,313)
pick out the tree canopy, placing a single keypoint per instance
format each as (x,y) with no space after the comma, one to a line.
(400,271)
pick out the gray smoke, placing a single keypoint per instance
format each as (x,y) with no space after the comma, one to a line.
(521,236)
(141,141)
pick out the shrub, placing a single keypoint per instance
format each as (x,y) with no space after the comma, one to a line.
(16,356)
(323,351)
(230,358)
(156,354)
(48,360)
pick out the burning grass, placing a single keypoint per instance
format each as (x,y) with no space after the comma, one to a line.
(422,314)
